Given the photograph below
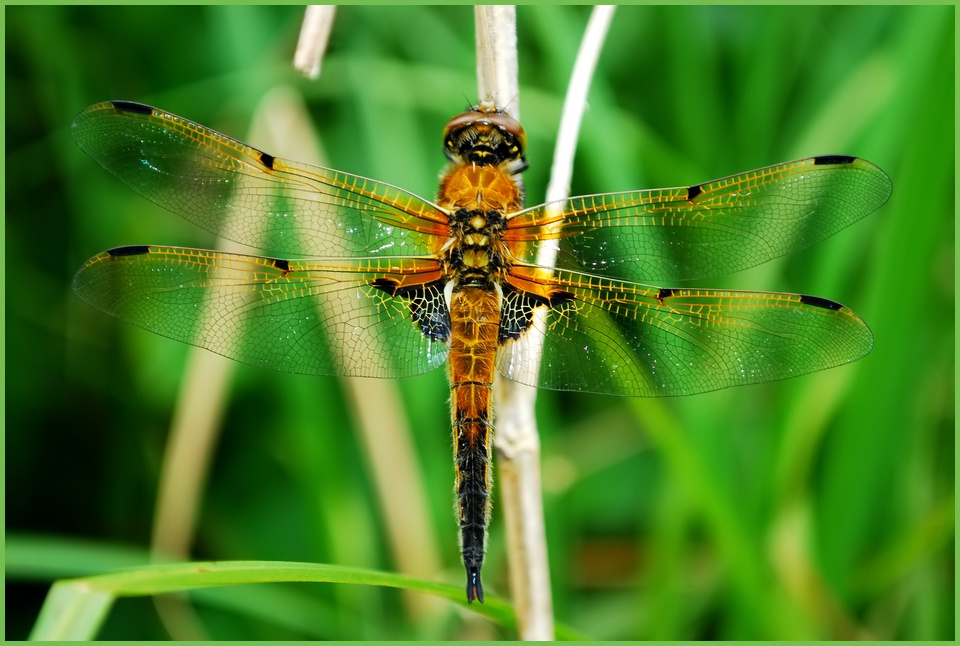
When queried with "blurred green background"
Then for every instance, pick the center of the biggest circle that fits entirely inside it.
(820, 507)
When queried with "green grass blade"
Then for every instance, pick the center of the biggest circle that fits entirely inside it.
(72, 611)
(46, 557)
(75, 608)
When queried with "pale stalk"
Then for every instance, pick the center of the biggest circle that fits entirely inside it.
(194, 431)
(281, 123)
(193, 436)
(374, 405)
(385, 434)
(497, 76)
(516, 440)
(203, 394)
(314, 36)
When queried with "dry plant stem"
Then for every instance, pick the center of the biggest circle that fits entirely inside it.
(387, 445)
(497, 78)
(516, 440)
(282, 123)
(193, 435)
(198, 414)
(314, 36)
(194, 432)
(573, 107)
(385, 434)
(386, 437)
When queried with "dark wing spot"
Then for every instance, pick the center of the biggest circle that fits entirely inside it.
(665, 292)
(516, 314)
(267, 160)
(132, 250)
(429, 309)
(693, 192)
(130, 106)
(281, 264)
(560, 297)
(427, 305)
(389, 285)
(824, 160)
(816, 301)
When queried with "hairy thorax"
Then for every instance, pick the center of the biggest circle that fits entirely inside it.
(478, 197)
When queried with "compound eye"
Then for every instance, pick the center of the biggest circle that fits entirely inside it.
(511, 127)
(457, 123)
(484, 135)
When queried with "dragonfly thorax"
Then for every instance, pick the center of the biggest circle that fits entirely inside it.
(476, 254)
(479, 197)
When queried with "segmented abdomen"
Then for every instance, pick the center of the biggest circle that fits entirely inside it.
(475, 321)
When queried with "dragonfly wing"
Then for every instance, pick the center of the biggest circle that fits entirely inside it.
(621, 338)
(251, 197)
(383, 317)
(705, 230)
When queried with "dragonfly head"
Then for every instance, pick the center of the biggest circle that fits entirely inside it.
(485, 136)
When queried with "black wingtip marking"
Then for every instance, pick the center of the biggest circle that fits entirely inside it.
(823, 303)
(474, 587)
(130, 106)
(824, 160)
(281, 264)
(665, 292)
(131, 250)
(267, 160)
(693, 192)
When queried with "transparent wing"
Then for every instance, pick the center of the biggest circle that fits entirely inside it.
(251, 197)
(382, 317)
(621, 338)
(705, 230)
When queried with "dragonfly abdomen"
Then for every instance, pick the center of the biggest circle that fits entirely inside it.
(475, 325)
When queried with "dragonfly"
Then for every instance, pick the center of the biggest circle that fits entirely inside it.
(370, 280)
